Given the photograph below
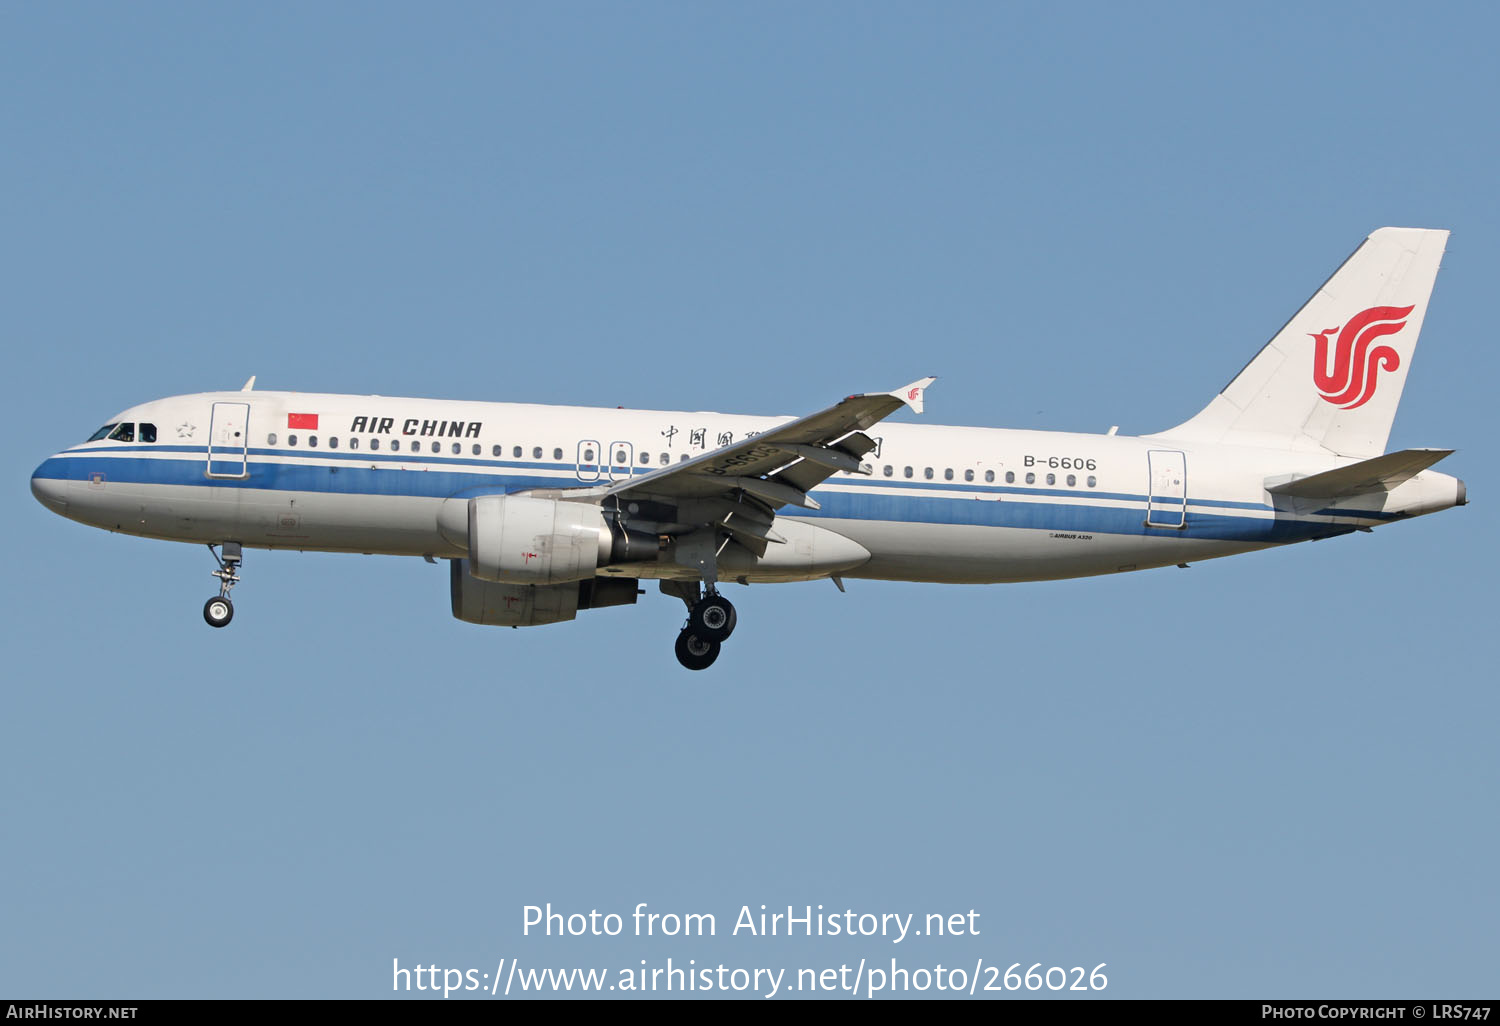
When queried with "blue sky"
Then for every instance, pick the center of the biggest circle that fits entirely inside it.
(1270, 775)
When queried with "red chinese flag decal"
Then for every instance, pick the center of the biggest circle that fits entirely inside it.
(305, 421)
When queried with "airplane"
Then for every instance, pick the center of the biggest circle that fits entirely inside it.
(546, 511)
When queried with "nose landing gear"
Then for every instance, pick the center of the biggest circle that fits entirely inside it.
(218, 611)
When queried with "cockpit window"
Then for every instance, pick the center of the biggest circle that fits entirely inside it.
(123, 433)
(102, 432)
(148, 432)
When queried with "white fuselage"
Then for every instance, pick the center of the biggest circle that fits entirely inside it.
(935, 503)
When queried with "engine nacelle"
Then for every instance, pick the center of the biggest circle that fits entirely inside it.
(527, 539)
(497, 604)
(517, 539)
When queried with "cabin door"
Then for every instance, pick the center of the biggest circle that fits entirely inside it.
(229, 441)
(1166, 502)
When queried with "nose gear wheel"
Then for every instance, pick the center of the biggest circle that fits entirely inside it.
(218, 611)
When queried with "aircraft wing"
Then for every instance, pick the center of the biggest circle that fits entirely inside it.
(775, 468)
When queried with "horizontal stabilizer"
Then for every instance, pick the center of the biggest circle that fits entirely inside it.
(1380, 474)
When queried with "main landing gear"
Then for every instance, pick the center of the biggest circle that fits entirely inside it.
(218, 611)
(695, 653)
(711, 620)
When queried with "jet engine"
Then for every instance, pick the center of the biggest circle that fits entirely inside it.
(522, 539)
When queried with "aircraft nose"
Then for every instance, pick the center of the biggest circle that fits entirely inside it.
(49, 488)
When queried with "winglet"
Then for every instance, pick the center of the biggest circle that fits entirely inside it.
(911, 394)
(248, 386)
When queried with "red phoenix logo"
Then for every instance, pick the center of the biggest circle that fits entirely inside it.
(914, 393)
(1350, 382)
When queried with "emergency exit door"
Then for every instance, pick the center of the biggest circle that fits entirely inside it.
(621, 460)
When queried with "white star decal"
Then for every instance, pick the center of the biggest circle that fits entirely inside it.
(185, 430)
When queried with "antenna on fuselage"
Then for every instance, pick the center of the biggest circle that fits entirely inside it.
(248, 386)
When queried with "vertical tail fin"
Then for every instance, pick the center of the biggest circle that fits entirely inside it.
(1331, 378)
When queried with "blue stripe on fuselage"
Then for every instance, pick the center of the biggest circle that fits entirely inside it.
(985, 506)
(602, 473)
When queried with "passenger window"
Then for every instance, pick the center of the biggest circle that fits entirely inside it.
(312, 441)
(588, 455)
(457, 449)
(291, 440)
(989, 476)
(948, 474)
(333, 441)
(968, 475)
(516, 452)
(374, 443)
(1052, 479)
(354, 443)
(645, 459)
(683, 458)
(666, 458)
(557, 454)
(887, 470)
(536, 452)
(907, 472)
(1031, 479)
(271, 438)
(474, 450)
(495, 451)
(1093, 480)
(148, 432)
(620, 458)
(1072, 480)
(927, 473)
(123, 433)
(1010, 477)
(437, 446)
